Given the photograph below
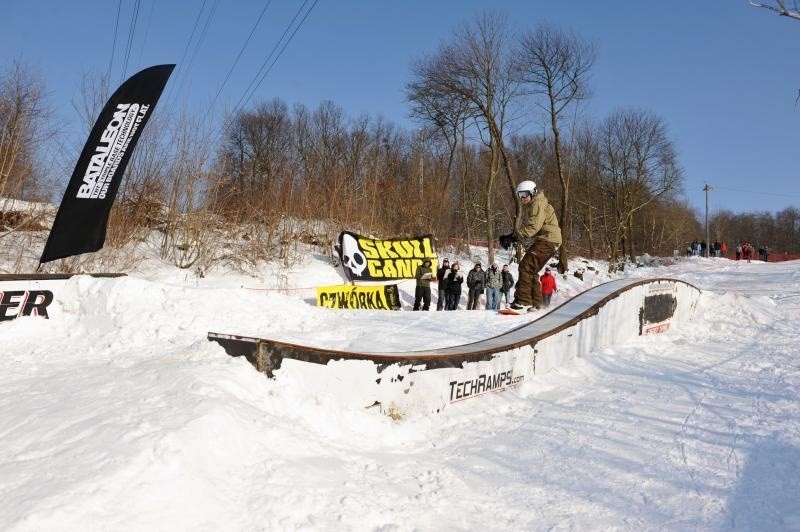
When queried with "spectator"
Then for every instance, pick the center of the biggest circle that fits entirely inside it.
(724, 249)
(738, 251)
(508, 284)
(454, 281)
(494, 283)
(747, 251)
(548, 287)
(716, 248)
(766, 253)
(475, 284)
(422, 293)
(703, 247)
(441, 278)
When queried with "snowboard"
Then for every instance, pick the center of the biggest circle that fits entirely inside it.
(511, 312)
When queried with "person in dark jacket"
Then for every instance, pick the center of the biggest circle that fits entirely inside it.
(454, 281)
(422, 294)
(441, 278)
(475, 282)
(508, 284)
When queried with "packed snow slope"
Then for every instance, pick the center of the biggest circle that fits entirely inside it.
(120, 415)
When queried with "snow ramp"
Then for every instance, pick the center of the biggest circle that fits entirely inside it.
(402, 383)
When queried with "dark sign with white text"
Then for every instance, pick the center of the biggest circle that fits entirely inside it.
(80, 224)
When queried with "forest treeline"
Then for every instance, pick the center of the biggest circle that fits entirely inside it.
(493, 108)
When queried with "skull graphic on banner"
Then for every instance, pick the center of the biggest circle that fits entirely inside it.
(352, 257)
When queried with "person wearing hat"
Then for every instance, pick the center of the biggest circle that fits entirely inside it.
(541, 236)
(548, 282)
(475, 282)
(441, 279)
(422, 294)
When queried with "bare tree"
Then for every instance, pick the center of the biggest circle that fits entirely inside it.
(445, 112)
(639, 165)
(475, 68)
(22, 120)
(780, 7)
(555, 64)
(190, 190)
(258, 146)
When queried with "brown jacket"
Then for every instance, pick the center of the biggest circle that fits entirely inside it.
(539, 221)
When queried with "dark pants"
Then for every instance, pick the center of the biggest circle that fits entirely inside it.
(441, 303)
(505, 295)
(452, 300)
(473, 298)
(529, 290)
(422, 293)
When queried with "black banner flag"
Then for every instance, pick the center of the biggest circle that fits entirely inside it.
(80, 224)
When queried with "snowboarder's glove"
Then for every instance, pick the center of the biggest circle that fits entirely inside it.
(507, 240)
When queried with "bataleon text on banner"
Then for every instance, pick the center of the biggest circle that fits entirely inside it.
(80, 224)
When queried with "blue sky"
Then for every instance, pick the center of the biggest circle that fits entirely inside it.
(722, 74)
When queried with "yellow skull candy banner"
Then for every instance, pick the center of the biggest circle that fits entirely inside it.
(367, 259)
(385, 297)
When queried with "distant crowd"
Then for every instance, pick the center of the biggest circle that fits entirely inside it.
(743, 250)
(495, 284)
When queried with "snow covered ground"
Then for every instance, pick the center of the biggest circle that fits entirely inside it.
(121, 416)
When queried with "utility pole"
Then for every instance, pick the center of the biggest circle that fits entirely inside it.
(707, 189)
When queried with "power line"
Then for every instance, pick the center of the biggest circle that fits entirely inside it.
(262, 73)
(757, 192)
(131, 33)
(283, 48)
(114, 45)
(180, 67)
(146, 32)
(236, 61)
(201, 38)
(245, 98)
(198, 44)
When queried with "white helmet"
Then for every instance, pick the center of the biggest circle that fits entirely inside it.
(527, 186)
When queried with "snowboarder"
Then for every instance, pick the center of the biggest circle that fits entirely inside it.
(541, 235)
